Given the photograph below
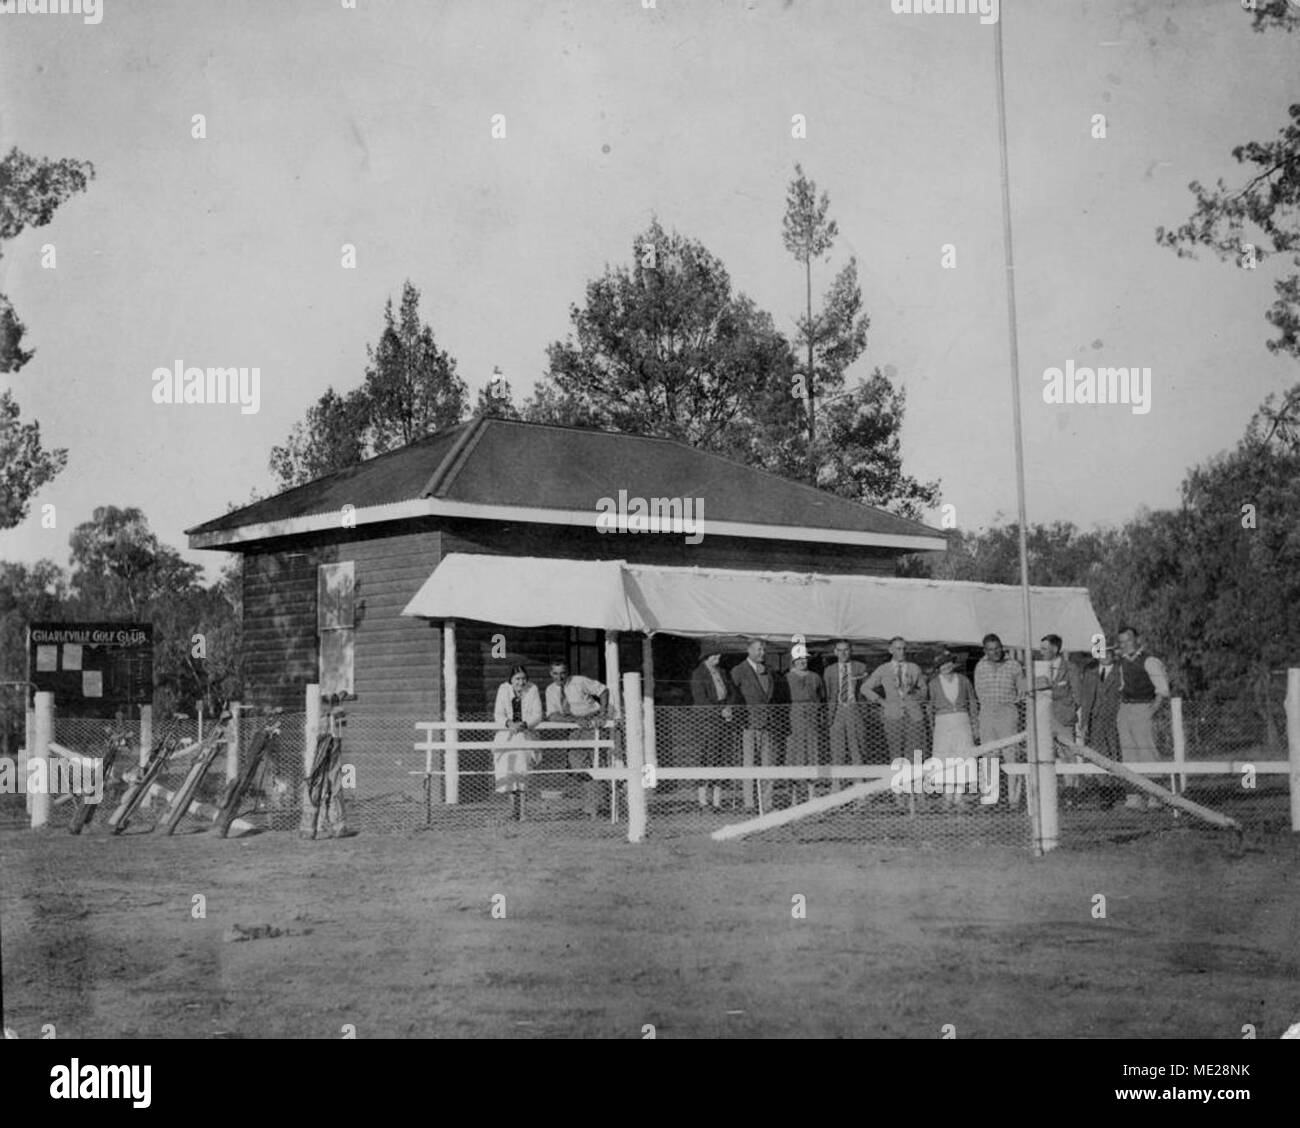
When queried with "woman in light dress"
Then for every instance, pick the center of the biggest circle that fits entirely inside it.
(518, 712)
(955, 713)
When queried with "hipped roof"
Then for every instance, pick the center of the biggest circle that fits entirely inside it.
(499, 469)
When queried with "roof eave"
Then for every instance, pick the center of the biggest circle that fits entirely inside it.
(230, 539)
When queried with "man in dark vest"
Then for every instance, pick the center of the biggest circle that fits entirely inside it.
(1143, 688)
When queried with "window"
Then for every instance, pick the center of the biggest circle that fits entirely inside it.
(335, 623)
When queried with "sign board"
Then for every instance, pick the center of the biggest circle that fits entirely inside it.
(93, 669)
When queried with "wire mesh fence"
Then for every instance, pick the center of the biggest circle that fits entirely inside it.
(1231, 757)
(179, 783)
(723, 765)
(713, 767)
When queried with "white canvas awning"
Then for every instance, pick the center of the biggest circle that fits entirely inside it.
(613, 595)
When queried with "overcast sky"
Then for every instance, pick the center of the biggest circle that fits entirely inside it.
(372, 126)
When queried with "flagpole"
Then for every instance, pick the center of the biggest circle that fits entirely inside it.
(1031, 712)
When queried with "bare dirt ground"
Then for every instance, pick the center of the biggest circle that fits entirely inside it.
(395, 935)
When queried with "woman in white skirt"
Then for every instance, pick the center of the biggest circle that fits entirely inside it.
(518, 712)
(955, 712)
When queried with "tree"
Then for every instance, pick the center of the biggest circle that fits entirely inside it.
(332, 436)
(27, 592)
(1230, 222)
(410, 390)
(119, 567)
(25, 465)
(808, 234)
(1273, 14)
(31, 189)
(496, 399)
(1211, 585)
(120, 570)
(858, 454)
(667, 348)
(411, 385)
(664, 348)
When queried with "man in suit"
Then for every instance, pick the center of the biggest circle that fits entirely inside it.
(1063, 682)
(759, 690)
(714, 697)
(1099, 709)
(848, 728)
(903, 706)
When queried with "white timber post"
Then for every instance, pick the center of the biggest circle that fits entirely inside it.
(635, 759)
(1048, 822)
(613, 681)
(146, 733)
(449, 787)
(1293, 742)
(29, 745)
(613, 675)
(232, 742)
(310, 729)
(648, 689)
(1180, 743)
(310, 735)
(44, 734)
(199, 738)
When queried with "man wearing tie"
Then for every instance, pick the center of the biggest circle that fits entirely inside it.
(1062, 681)
(848, 731)
(758, 689)
(1099, 711)
(902, 710)
(583, 702)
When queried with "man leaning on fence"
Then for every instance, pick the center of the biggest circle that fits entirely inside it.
(583, 702)
(1144, 687)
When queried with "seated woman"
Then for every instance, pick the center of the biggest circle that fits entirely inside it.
(518, 711)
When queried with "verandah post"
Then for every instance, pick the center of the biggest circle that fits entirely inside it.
(613, 682)
(648, 690)
(449, 788)
(636, 812)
